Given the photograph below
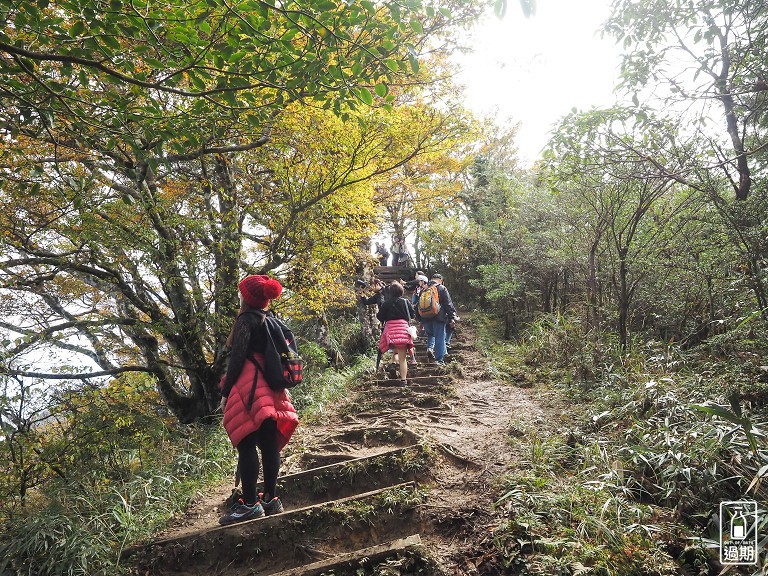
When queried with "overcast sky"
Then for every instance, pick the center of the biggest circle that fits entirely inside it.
(536, 70)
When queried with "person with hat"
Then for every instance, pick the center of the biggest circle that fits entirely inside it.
(415, 283)
(435, 327)
(255, 416)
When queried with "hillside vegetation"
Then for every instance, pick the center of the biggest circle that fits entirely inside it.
(152, 155)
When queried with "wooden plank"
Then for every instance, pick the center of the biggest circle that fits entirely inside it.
(266, 522)
(353, 559)
(416, 380)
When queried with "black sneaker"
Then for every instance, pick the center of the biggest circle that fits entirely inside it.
(431, 354)
(274, 506)
(242, 512)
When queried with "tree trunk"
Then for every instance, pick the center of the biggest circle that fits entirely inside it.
(547, 294)
(623, 299)
(593, 303)
(366, 315)
(564, 291)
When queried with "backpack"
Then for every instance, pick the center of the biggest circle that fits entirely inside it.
(429, 302)
(283, 368)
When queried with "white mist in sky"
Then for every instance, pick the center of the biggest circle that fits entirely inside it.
(535, 70)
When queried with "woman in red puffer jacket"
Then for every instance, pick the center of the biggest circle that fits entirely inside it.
(255, 417)
(396, 313)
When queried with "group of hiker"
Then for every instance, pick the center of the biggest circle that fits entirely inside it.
(430, 305)
(398, 249)
(259, 417)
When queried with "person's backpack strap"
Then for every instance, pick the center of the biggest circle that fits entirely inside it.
(407, 310)
(252, 393)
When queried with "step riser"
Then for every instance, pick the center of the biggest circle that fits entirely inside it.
(269, 545)
(350, 477)
(351, 563)
(420, 381)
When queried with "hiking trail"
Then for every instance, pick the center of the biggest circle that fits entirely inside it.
(402, 477)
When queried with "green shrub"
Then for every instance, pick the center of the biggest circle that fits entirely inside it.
(50, 543)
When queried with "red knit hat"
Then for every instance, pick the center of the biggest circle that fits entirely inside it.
(258, 290)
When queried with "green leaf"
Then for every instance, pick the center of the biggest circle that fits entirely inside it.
(111, 41)
(417, 27)
(153, 63)
(230, 98)
(381, 90)
(414, 64)
(197, 82)
(365, 95)
(77, 29)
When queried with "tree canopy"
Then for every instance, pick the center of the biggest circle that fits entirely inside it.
(153, 153)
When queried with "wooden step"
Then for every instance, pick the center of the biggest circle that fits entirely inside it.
(289, 540)
(348, 477)
(417, 380)
(394, 272)
(358, 558)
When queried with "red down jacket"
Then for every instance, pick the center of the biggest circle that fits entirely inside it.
(239, 422)
(395, 335)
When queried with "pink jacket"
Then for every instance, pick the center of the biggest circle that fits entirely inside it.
(239, 422)
(395, 335)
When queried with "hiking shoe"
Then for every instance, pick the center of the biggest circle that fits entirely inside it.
(242, 512)
(431, 354)
(403, 382)
(274, 506)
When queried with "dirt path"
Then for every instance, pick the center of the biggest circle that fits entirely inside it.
(459, 416)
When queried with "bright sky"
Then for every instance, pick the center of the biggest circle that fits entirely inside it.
(535, 70)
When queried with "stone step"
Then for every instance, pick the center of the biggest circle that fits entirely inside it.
(358, 559)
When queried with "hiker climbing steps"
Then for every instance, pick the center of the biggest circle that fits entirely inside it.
(360, 493)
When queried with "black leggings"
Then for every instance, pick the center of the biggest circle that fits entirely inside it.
(265, 438)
